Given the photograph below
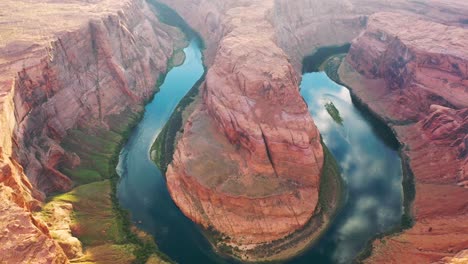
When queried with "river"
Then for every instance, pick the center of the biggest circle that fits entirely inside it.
(370, 166)
(142, 187)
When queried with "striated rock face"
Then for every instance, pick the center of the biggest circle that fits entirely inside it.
(207, 18)
(92, 73)
(413, 63)
(459, 258)
(248, 164)
(416, 79)
(250, 159)
(423, 72)
(104, 59)
(23, 238)
(302, 26)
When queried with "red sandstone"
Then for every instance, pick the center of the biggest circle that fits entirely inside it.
(416, 79)
(249, 162)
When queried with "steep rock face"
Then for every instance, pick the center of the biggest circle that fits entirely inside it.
(460, 258)
(416, 79)
(104, 59)
(250, 159)
(207, 18)
(92, 73)
(420, 69)
(305, 25)
(302, 26)
(23, 238)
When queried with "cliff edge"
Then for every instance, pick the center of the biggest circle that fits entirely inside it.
(71, 73)
(415, 78)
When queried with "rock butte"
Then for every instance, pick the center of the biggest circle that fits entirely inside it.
(78, 64)
(249, 163)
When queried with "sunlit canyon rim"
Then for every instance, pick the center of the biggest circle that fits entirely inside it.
(74, 78)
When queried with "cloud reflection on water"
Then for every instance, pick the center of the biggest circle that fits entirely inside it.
(370, 168)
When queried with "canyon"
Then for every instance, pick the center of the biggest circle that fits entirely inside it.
(248, 165)
(89, 75)
(438, 36)
(416, 80)
(250, 157)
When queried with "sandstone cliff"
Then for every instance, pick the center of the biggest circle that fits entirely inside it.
(415, 78)
(89, 64)
(89, 75)
(249, 162)
(103, 62)
(300, 27)
(20, 230)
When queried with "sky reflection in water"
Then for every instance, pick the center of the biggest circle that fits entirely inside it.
(371, 169)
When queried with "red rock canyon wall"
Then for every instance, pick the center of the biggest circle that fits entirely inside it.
(103, 64)
(250, 157)
(420, 80)
(416, 78)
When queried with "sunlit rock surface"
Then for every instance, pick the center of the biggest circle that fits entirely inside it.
(249, 162)
(76, 62)
(62, 66)
(300, 27)
(416, 79)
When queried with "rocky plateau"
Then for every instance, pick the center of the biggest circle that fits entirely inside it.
(66, 66)
(249, 162)
(413, 77)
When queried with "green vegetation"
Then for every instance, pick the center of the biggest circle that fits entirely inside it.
(95, 221)
(333, 112)
(97, 147)
(108, 253)
(313, 62)
(386, 134)
(331, 196)
(164, 145)
(100, 224)
(331, 66)
(409, 191)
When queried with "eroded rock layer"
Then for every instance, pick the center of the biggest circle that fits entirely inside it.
(88, 64)
(416, 79)
(249, 162)
(91, 74)
(302, 26)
